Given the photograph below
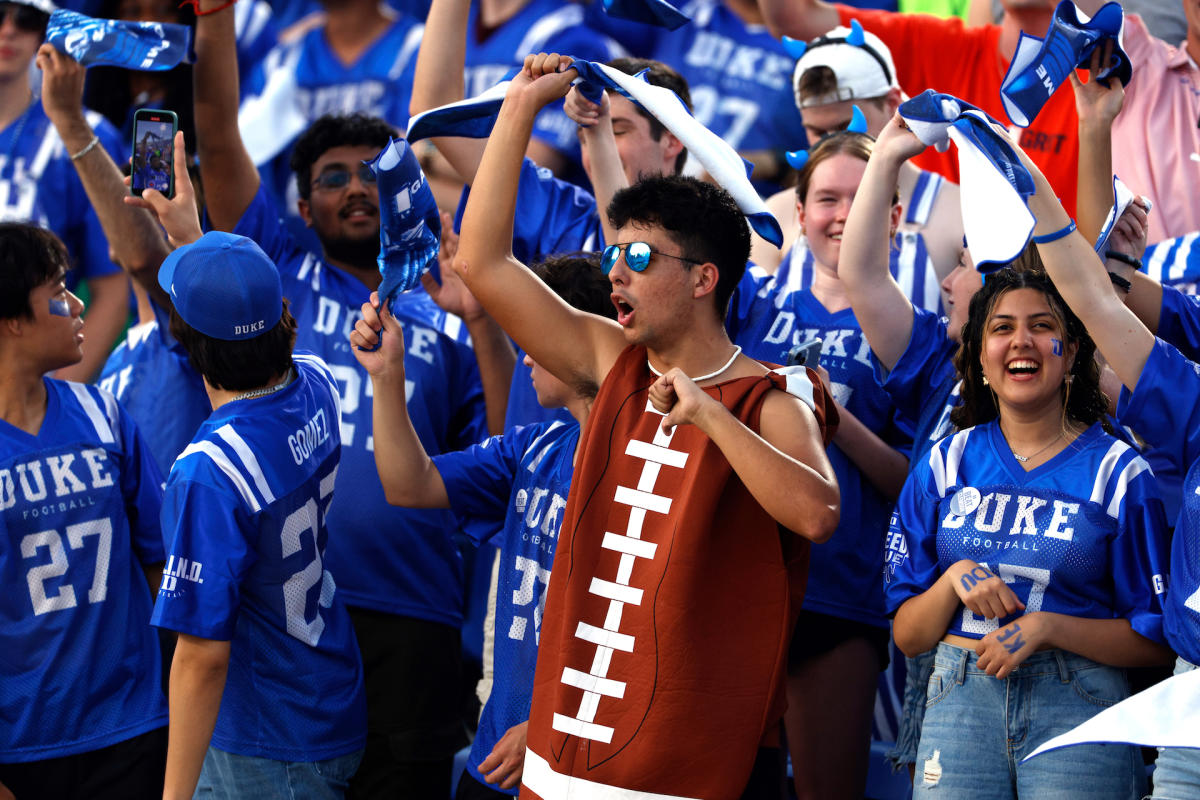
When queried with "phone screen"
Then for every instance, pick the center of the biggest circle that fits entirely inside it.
(152, 152)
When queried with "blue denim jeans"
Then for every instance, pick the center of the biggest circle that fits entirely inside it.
(908, 733)
(978, 728)
(1177, 770)
(229, 776)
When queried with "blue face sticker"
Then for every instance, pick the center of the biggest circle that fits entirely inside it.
(1057, 345)
(60, 307)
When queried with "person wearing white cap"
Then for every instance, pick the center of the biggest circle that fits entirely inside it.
(834, 73)
(266, 666)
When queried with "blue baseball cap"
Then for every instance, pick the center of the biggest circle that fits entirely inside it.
(224, 286)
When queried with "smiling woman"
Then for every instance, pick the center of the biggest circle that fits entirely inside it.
(1026, 549)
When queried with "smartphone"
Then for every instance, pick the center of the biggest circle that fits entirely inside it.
(805, 355)
(153, 151)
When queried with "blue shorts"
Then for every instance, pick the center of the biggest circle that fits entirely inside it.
(1177, 770)
(978, 728)
(229, 776)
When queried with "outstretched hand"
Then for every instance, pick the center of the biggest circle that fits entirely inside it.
(1093, 100)
(179, 216)
(381, 356)
(62, 84)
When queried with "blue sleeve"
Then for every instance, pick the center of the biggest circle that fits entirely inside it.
(262, 223)
(204, 526)
(1164, 407)
(1179, 321)
(553, 216)
(479, 482)
(1139, 555)
(141, 486)
(911, 559)
(922, 368)
(755, 281)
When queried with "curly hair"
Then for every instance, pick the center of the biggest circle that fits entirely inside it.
(700, 217)
(335, 130)
(1084, 402)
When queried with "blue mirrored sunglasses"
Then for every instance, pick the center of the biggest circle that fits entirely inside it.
(340, 178)
(637, 256)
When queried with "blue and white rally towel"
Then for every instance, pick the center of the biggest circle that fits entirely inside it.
(472, 118)
(650, 12)
(1040, 66)
(410, 228)
(1122, 197)
(148, 46)
(994, 184)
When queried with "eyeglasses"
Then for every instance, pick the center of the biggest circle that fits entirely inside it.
(340, 178)
(637, 256)
(26, 18)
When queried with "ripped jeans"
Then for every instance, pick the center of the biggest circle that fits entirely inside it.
(978, 728)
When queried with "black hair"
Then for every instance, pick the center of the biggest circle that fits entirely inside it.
(657, 74)
(1084, 402)
(577, 279)
(335, 130)
(30, 257)
(700, 217)
(241, 365)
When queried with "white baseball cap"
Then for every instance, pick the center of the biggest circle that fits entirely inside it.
(861, 62)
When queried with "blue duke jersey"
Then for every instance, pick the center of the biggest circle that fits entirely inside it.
(245, 517)
(79, 506)
(550, 26)
(145, 369)
(520, 479)
(39, 184)
(379, 83)
(739, 76)
(1164, 407)
(1083, 534)
(386, 558)
(843, 575)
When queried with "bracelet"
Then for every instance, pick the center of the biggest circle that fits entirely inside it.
(1058, 234)
(1123, 258)
(1121, 283)
(87, 149)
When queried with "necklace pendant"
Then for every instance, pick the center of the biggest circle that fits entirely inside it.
(1022, 459)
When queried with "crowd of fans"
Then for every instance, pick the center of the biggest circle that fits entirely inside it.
(626, 497)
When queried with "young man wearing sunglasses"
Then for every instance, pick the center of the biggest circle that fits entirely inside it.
(38, 182)
(661, 664)
(400, 574)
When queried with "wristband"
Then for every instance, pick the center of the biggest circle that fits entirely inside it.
(1119, 282)
(1123, 258)
(1058, 234)
(87, 149)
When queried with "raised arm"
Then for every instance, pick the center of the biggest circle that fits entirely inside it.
(230, 177)
(438, 78)
(800, 19)
(576, 347)
(879, 304)
(599, 143)
(134, 237)
(408, 475)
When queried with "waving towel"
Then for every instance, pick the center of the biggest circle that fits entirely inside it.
(994, 183)
(651, 12)
(721, 161)
(1039, 66)
(150, 46)
(1122, 197)
(409, 226)
(472, 118)
(1162, 716)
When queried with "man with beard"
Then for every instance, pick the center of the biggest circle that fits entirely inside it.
(398, 571)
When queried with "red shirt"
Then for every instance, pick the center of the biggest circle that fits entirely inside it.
(947, 56)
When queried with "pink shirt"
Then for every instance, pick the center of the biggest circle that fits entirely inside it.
(1156, 141)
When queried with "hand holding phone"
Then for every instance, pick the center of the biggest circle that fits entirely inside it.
(153, 153)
